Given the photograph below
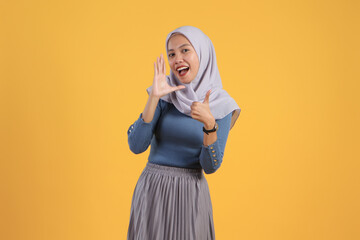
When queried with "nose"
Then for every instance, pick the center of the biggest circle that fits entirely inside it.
(178, 58)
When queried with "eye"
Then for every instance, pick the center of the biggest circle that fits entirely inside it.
(185, 50)
(171, 54)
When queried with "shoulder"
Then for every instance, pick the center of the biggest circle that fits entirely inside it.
(162, 102)
(162, 106)
(225, 122)
(225, 118)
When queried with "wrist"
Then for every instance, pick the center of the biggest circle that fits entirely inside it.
(153, 97)
(209, 124)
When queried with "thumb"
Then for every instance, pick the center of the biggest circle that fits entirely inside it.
(206, 100)
(176, 88)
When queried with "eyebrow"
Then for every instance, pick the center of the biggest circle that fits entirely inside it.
(186, 44)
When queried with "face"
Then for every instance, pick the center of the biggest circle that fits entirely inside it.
(182, 55)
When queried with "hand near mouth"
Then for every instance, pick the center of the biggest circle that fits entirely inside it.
(160, 86)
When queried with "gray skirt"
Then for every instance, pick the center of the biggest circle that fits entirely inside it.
(171, 203)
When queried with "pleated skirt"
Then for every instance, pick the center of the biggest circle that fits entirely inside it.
(171, 203)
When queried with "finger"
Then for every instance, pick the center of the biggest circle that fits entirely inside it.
(195, 103)
(177, 88)
(206, 100)
(193, 109)
(164, 67)
(160, 65)
(163, 64)
(155, 71)
(194, 116)
(157, 65)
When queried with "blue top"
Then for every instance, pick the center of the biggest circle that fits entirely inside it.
(177, 139)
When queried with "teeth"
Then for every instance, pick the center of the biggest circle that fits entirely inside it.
(182, 68)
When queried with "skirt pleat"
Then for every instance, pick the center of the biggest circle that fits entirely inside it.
(171, 203)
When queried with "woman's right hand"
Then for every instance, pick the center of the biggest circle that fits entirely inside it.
(160, 86)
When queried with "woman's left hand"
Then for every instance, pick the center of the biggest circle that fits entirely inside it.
(201, 112)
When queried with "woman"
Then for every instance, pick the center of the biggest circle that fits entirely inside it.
(186, 121)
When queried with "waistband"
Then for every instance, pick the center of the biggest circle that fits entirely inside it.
(173, 171)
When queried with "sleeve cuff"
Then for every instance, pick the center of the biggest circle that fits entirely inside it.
(211, 157)
(214, 152)
(139, 123)
(142, 120)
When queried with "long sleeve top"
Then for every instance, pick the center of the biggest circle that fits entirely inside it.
(177, 139)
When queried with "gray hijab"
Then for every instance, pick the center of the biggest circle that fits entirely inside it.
(208, 77)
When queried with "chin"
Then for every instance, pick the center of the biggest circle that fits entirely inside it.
(185, 81)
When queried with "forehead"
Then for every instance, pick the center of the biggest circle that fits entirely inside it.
(177, 40)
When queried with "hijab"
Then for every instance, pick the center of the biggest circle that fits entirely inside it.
(208, 77)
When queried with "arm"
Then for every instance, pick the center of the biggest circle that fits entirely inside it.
(211, 156)
(149, 111)
(141, 132)
(211, 137)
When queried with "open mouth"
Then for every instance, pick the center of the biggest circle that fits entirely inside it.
(183, 71)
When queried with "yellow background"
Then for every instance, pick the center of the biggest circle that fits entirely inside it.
(73, 78)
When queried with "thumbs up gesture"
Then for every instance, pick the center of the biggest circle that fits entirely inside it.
(201, 112)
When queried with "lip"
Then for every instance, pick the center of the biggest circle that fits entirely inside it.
(180, 67)
(177, 72)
